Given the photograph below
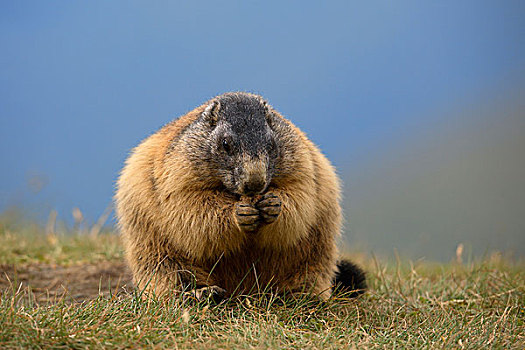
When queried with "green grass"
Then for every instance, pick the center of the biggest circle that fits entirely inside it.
(480, 304)
(58, 249)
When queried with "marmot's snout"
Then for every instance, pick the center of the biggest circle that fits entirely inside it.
(253, 187)
(254, 177)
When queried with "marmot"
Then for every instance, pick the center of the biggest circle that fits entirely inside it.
(232, 198)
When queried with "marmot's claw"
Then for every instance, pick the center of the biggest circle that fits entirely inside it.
(247, 216)
(214, 293)
(270, 207)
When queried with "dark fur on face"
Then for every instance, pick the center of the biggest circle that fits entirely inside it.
(236, 136)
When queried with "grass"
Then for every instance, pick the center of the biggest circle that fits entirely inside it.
(25, 248)
(480, 304)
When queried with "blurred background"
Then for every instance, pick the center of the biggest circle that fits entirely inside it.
(420, 105)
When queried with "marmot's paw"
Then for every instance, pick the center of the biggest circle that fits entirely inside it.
(214, 293)
(247, 216)
(269, 206)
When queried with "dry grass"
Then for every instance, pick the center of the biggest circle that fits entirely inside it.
(409, 305)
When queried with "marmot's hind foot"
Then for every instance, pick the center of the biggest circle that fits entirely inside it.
(213, 293)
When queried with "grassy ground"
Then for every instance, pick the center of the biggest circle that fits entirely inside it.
(75, 292)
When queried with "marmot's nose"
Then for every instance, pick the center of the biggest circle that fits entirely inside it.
(253, 178)
(254, 187)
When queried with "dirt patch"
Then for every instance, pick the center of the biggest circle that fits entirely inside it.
(51, 283)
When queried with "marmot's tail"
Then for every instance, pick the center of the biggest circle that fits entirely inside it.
(350, 279)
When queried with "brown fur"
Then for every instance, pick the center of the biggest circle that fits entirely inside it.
(178, 224)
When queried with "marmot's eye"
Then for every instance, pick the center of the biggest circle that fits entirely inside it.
(226, 146)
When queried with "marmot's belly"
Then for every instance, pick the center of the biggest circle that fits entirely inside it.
(255, 270)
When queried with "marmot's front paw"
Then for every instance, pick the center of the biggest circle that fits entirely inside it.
(269, 206)
(247, 216)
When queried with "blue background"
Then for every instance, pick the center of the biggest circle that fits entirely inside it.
(419, 104)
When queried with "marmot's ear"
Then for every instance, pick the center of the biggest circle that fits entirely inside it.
(268, 112)
(211, 113)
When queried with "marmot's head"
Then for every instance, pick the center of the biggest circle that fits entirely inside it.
(236, 140)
